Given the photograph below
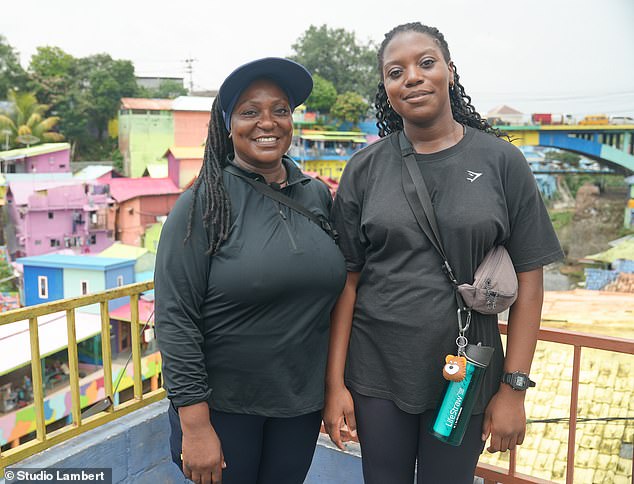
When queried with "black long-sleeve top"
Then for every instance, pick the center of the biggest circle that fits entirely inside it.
(246, 329)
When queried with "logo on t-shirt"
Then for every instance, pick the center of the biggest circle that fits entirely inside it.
(473, 176)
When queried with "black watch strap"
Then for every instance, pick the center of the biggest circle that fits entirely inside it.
(518, 380)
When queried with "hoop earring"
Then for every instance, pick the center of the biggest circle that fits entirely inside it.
(389, 105)
(229, 136)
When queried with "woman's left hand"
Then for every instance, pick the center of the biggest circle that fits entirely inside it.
(505, 420)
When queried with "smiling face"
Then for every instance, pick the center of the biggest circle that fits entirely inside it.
(417, 78)
(262, 124)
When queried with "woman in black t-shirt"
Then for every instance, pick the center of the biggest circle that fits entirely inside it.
(396, 318)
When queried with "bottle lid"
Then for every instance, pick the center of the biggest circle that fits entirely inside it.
(479, 355)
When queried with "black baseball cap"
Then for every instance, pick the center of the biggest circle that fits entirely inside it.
(293, 78)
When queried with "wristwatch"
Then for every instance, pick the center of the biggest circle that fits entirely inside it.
(517, 380)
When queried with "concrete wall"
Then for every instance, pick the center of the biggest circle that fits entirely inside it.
(136, 448)
(31, 288)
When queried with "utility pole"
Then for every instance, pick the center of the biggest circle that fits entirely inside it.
(189, 69)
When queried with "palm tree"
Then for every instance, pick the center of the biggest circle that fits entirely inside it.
(24, 122)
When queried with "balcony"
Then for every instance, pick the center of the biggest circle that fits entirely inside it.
(130, 436)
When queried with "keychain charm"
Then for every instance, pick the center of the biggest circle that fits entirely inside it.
(455, 368)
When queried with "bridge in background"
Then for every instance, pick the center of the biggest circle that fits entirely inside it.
(609, 145)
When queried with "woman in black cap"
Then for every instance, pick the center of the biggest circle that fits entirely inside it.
(244, 288)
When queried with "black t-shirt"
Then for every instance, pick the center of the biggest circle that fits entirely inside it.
(247, 328)
(404, 323)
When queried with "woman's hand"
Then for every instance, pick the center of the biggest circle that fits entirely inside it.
(338, 414)
(505, 420)
(203, 460)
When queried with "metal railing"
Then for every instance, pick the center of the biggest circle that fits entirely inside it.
(495, 474)
(79, 425)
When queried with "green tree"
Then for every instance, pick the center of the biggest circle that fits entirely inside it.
(7, 279)
(168, 89)
(26, 121)
(12, 75)
(337, 55)
(106, 81)
(52, 74)
(571, 159)
(323, 96)
(349, 106)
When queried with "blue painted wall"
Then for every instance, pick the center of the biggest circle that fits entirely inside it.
(111, 282)
(31, 290)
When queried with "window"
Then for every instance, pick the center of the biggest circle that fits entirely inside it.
(50, 215)
(93, 239)
(119, 281)
(54, 243)
(84, 288)
(42, 285)
(37, 242)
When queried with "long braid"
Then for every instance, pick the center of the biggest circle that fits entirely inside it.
(216, 203)
(389, 121)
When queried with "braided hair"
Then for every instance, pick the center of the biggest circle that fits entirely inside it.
(216, 204)
(463, 111)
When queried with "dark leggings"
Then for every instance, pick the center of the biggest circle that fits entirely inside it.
(392, 441)
(258, 450)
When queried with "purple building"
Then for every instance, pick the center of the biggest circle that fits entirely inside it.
(45, 158)
(64, 214)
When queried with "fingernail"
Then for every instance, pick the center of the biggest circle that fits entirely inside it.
(353, 433)
(224, 465)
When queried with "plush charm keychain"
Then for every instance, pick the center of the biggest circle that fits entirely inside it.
(455, 368)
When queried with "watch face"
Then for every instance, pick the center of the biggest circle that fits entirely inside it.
(520, 381)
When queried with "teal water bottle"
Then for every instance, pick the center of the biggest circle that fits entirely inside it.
(454, 413)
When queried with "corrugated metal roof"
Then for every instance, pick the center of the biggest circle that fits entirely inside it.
(123, 251)
(503, 109)
(91, 262)
(22, 190)
(625, 250)
(15, 345)
(34, 150)
(92, 172)
(147, 104)
(187, 152)
(122, 189)
(192, 103)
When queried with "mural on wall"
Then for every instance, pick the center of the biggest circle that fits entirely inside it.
(21, 422)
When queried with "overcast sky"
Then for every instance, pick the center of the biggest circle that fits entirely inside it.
(559, 56)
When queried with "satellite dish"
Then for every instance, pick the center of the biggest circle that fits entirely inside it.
(27, 139)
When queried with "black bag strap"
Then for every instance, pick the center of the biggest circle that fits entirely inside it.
(419, 201)
(278, 196)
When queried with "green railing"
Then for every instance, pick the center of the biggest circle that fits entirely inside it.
(43, 439)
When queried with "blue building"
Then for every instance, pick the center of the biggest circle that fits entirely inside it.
(49, 277)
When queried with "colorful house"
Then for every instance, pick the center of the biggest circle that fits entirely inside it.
(47, 216)
(141, 201)
(183, 164)
(44, 158)
(149, 127)
(153, 234)
(144, 258)
(55, 276)
(326, 152)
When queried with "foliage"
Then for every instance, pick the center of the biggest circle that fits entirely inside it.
(561, 219)
(567, 157)
(6, 272)
(168, 89)
(349, 106)
(26, 121)
(323, 96)
(575, 181)
(337, 55)
(12, 75)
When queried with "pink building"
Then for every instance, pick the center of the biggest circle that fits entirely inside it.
(140, 202)
(45, 158)
(55, 215)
